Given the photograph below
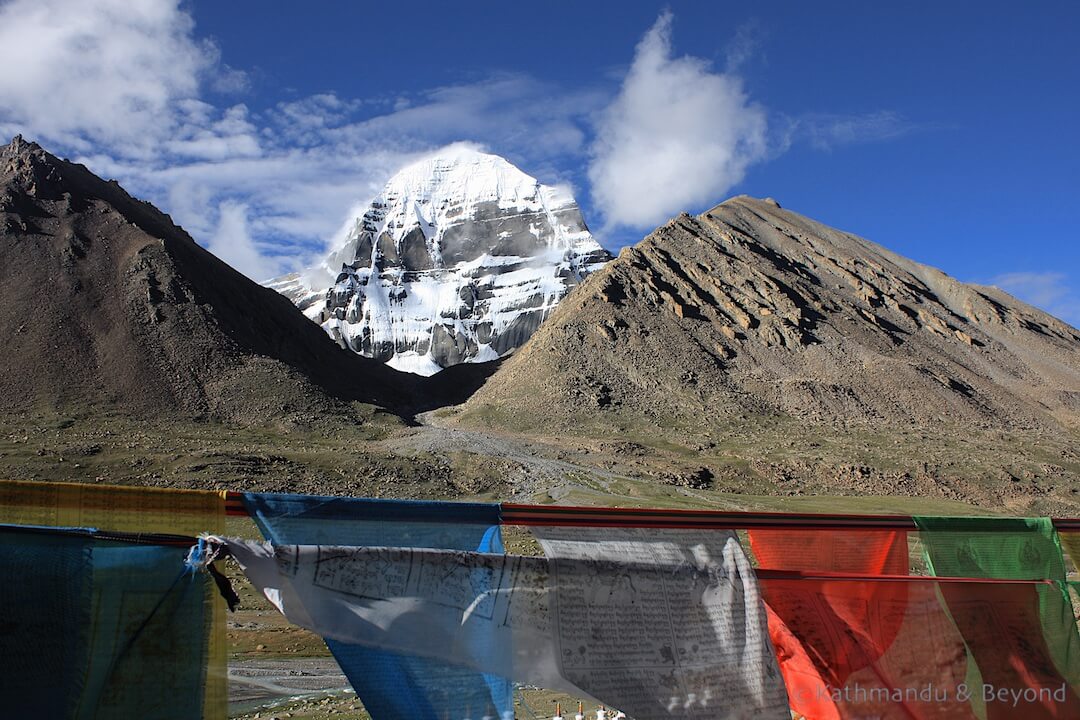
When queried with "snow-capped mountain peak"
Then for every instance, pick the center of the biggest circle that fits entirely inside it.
(462, 175)
(458, 259)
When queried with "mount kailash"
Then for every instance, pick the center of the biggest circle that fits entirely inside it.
(458, 259)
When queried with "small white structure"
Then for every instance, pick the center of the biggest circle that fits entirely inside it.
(601, 714)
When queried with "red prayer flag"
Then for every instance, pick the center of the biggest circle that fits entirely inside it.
(916, 652)
(839, 642)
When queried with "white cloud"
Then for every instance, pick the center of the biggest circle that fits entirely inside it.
(204, 136)
(1050, 291)
(826, 131)
(743, 46)
(232, 242)
(678, 136)
(294, 200)
(230, 81)
(125, 86)
(500, 111)
(302, 121)
(302, 168)
(110, 72)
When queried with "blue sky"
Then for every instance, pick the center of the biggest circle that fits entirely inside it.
(945, 131)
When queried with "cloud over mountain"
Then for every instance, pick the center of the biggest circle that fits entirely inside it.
(136, 93)
(677, 136)
(1051, 291)
(123, 74)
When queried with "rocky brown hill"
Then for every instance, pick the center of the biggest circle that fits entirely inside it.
(750, 314)
(105, 303)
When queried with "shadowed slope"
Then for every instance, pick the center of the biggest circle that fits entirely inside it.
(107, 303)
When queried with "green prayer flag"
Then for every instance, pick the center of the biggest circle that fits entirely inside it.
(1001, 548)
(1006, 549)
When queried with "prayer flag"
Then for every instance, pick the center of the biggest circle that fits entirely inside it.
(1071, 542)
(1045, 645)
(96, 629)
(112, 507)
(134, 510)
(661, 624)
(810, 656)
(922, 674)
(394, 685)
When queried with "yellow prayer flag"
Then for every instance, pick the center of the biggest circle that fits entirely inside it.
(112, 507)
(1071, 542)
(133, 510)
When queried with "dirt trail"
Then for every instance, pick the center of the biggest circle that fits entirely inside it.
(539, 470)
(257, 683)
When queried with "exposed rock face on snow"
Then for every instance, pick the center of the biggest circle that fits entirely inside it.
(459, 259)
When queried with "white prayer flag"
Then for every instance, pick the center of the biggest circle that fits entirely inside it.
(658, 623)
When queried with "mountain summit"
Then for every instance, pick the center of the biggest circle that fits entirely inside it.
(107, 304)
(752, 326)
(750, 307)
(458, 259)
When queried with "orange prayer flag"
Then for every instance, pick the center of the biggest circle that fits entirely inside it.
(827, 651)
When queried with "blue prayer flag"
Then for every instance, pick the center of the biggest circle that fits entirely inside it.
(94, 628)
(394, 686)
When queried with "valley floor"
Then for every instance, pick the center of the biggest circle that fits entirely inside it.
(759, 464)
(277, 670)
